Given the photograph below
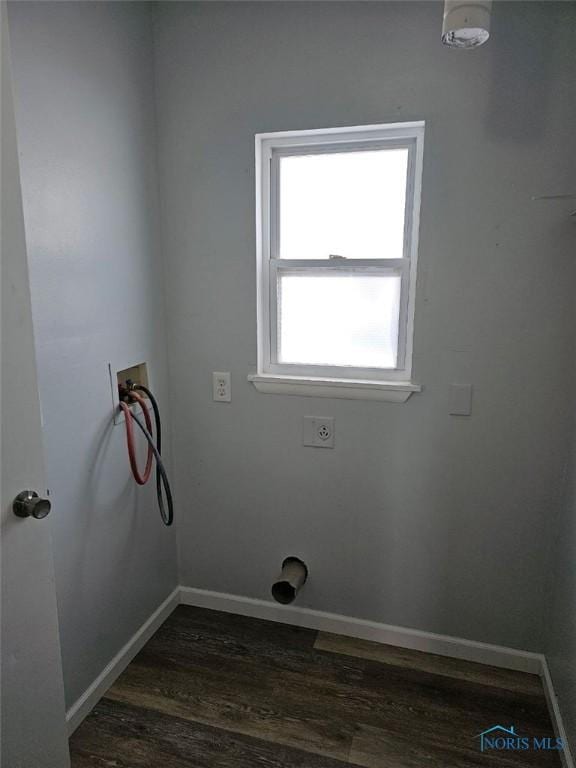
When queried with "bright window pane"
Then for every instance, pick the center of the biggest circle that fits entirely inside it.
(344, 204)
(338, 319)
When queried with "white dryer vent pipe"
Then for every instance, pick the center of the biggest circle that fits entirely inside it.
(292, 577)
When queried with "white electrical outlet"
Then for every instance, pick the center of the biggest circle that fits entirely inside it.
(318, 431)
(221, 387)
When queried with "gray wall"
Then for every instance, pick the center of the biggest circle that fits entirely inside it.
(561, 626)
(416, 518)
(85, 112)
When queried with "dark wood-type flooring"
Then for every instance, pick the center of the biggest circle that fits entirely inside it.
(214, 689)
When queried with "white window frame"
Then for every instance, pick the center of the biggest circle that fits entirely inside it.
(366, 383)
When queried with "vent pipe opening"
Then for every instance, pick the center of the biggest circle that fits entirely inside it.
(292, 577)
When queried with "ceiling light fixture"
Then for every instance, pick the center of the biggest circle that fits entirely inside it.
(466, 24)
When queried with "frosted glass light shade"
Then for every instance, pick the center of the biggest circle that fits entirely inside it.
(466, 24)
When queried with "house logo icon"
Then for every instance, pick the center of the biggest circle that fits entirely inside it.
(498, 737)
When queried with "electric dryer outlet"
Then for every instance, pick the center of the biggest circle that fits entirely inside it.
(318, 431)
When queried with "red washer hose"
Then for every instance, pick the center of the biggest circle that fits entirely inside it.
(140, 479)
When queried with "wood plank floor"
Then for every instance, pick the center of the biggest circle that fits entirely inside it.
(214, 689)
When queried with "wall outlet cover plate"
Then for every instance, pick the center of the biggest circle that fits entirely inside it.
(318, 431)
(221, 387)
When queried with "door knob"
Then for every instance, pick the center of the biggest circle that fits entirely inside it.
(29, 504)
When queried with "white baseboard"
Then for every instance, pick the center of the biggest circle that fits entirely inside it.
(443, 645)
(82, 706)
(556, 716)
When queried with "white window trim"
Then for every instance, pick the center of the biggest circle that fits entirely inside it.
(394, 385)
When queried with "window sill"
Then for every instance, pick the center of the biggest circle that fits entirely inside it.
(347, 389)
